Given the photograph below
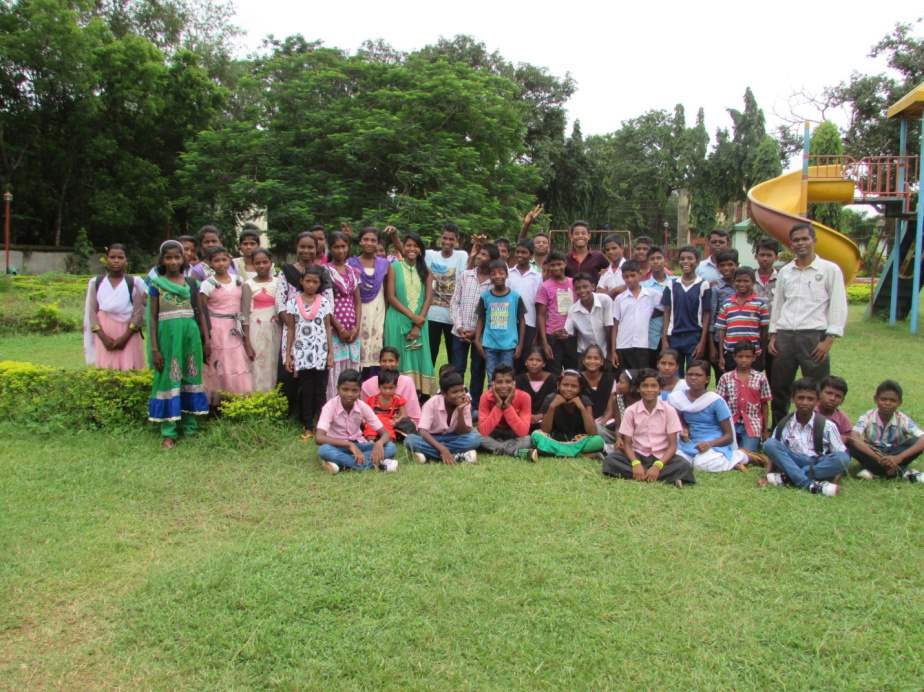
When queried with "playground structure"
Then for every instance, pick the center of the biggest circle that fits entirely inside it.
(892, 184)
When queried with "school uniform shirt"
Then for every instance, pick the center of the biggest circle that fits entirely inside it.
(657, 319)
(593, 263)
(347, 425)
(708, 270)
(745, 402)
(433, 416)
(742, 320)
(444, 271)
(812, 298)
(722, 291)
(650, 430)
(765, 288)
(464, 303)
(632, 313)
(558, 297)
(526, 284)
(590, 325)
(687, 304)
(501, 315)
(801, 438)
(611, 278)
(567, 423)
(898, 430)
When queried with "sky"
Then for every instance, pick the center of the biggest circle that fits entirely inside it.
(625, 58)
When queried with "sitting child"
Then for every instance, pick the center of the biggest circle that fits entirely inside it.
(668, 369)
(648, 436)
(624, 394)
(339, 432)
(833, 391)
(537, 382)
(445, 429)
(568, 428)
(504, 417)
(885, 440)
(388, 360)
(805, 446)
(747, 393)
(388, 406)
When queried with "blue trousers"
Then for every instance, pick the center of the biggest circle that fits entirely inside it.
(802, 469)
(745, 441)
(494, 357)
(345, 460)
(684, 344)
(454, 442)
(460, 349)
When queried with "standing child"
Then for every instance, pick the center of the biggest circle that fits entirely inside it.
(568, 427)
(372, 272)
(538, 383)
(387, 404)
(660, 279)
(722, 291)
(686, 311)
(611, 282)
(340, 438)
(885, 440)
(389, 360)
(501, 325)
(525, 279)
(806, 447)
(767, 252)
(504, 417)
(590, 319)
(668, 367)
(262, 328)
(227, 355)
(743, 317)
(553, 300)
(347, 311)
(191, 252)
(632, 311)
(833, 391)
(747, 393)
(446, 266)
(648, 439)
(445, 432)
(209, 239)
(309, 352)
(113, 316)
(176, 331)
(247, 242)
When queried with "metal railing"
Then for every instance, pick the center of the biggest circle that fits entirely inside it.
(877, 178)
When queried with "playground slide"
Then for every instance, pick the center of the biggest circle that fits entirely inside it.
(775, 206)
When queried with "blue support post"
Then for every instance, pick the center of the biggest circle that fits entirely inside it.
(900, 224)
(919, 232)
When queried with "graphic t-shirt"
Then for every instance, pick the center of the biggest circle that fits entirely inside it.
(501, 319)
(558, 297)
(444, 271)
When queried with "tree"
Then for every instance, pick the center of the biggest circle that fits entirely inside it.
(826, 141)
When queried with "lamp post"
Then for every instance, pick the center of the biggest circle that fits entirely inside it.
(7, 198)
(667, 228)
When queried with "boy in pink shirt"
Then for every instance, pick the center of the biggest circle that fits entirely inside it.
(553, 300)
(445, 430)
(648, 439)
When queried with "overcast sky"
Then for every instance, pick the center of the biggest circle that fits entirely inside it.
(625, 59)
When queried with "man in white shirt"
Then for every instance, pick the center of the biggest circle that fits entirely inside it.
(445, 265)
(809, 311)
(524, 278)
(708, 269)
(591, 317)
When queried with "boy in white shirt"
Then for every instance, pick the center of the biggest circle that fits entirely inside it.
(632, 312)
(591, 317)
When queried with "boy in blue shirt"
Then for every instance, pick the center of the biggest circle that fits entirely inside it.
(501, 326)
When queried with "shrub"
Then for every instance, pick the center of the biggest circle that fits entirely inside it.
(48, 319)
(858, 294)
(262, 406)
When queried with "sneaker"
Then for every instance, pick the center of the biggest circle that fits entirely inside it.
(775, 479)
(865, 475)
(330, 467)
(824, 488)
(419, 458)
(390, 465)
(534, 456)
(469, 457)
(914, 476)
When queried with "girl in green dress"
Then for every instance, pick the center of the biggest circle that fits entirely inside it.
(176, 330)
(408, 291)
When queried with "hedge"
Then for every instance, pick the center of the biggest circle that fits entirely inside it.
(858, 294)
(90, 398)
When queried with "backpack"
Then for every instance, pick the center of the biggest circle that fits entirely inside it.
(818, 431)
(129, 283)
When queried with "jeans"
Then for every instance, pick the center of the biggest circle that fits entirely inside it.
(456, 443)
(494, 357)
(345, 460)
(460, 352)
(745, 441)
(803, 470)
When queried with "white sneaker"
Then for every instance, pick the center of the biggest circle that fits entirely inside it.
(865, 475)
(469, 457)
(330, 467)
(775, 479)
(914, 476)
(390, 465)
(825, 488)
(419, 458)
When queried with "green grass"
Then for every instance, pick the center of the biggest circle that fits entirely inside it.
(234, 562)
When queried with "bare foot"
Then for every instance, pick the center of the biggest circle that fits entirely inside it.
(168, 443)
(741, 467)
(762, 483)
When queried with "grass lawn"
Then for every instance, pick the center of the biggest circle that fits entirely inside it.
(234, 562)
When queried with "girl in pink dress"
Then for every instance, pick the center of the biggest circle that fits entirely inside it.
(227, 361)
(345, 321)
(114, 315)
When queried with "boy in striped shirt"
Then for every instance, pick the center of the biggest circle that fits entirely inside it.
(743, 317)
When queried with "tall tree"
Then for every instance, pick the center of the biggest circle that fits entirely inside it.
(826, 141)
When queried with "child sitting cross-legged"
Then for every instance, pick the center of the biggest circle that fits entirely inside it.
(806, 447)
(648, 438)
(885, 440)
(568, 427)
(339, 433)
(445, 430)
(388, 406)
(504, 414)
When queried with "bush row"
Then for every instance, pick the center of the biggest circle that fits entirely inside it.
(38, 396)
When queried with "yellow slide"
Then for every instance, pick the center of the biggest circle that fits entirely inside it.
(777, 204)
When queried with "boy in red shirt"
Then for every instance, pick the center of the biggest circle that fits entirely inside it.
(504, 416)
(387, 405)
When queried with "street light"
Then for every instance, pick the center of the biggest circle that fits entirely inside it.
(7, 198)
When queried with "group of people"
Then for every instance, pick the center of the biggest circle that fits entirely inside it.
(587, 353)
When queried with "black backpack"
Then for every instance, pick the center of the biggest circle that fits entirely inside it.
(818, 432)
